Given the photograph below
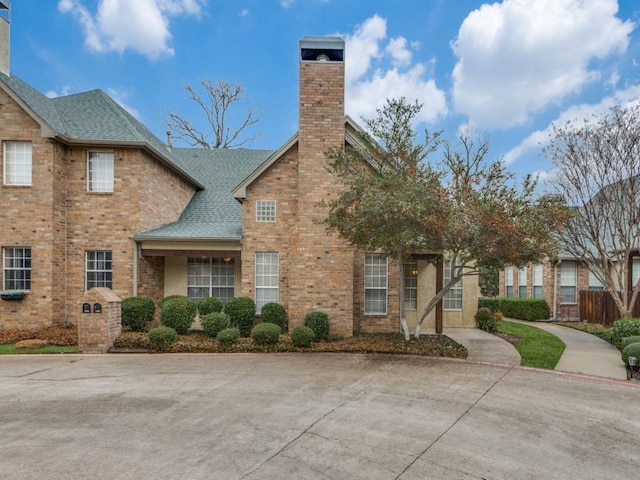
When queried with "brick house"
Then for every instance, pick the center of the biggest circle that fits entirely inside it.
(90, 197)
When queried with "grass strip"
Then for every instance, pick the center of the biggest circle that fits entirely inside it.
(10, 349)
(538, 348)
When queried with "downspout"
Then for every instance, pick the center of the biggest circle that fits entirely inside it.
(135, 268)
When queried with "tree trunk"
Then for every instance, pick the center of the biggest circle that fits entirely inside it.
(403, 320)
(434, 301)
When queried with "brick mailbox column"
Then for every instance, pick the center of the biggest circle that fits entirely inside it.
(99, 320)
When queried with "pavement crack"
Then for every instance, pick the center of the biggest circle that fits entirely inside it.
(464, 414)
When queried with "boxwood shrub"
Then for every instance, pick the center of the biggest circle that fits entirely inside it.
(631, 350)
(137, 312)
(629, 340)
(162, 338)
(242, 313)
(178, 312)
(302, 337)
(209, 305)
(265, 333)
(228, 336)
(519, 308)
(215, 322)
(274, 313)
(319, 323)
(625, 327)
(486, 320)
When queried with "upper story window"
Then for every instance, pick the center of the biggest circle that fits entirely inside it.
(100, 172)
(17, 268)
(17, 163)
(266, 211)
(375, 284)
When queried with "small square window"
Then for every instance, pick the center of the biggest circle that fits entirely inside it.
(266, 211)
(100, 172)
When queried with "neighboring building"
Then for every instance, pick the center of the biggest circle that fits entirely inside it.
(90, 197)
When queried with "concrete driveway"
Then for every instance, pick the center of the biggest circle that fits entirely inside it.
(308, 416)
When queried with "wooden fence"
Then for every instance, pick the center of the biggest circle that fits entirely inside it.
(599, 307)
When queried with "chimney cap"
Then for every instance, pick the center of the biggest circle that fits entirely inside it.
(313, 48)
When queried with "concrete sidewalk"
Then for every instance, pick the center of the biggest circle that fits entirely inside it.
(584, 352)
(484, 347)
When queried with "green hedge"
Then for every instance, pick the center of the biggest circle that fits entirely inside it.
(518, 308)
(209, 305)
(137, 312)
(242, 313)
(266, 333)
(319, 323)
(625, 327)
(178, 312)
(274, 313)
(162, 338)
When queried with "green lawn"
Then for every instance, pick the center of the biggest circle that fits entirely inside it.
(537, 348)
(10, 348)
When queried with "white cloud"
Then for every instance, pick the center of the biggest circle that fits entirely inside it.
(379, 69)
(120, 25)
(66, 90)
(517, 57)
(120, 96)
(576, 113)
(244, 12)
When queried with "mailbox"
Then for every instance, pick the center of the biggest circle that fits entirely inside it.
(86, 308)
(97, 308)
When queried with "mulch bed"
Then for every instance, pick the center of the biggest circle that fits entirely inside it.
(61, 335)
(512, 339)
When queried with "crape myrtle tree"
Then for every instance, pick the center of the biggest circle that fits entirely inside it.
(597, 171)
(402, 196)
(217, 105)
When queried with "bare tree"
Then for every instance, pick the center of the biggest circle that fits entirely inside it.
(220, 97)
(598, 173)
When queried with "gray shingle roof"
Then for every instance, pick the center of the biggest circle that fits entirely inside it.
(92, 117)
(213, 213)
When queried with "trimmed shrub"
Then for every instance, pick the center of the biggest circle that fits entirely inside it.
(629, 340)
(486, 320)
(302, 337)
(492, 303)
(166, 299)
(274, 313)
(525, 308)
(178, 312)
(266, 333)
(242, 313)
(319, 323)
(228, 336)
(136, 312)
(625, 327)
(162, 338)
(215, 322)
(209, 305)
(631, 350)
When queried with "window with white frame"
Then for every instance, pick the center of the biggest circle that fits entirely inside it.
(508, 281)
(17, 163)
(211, 277)
(568, 281)
(522, 282)
(266, 211)
(453, 298)
(537, 280)
(411, 285)
(375, 284)
(267, 276)
(17, 268)
(100, 172)
(99, 269)
(635, 271)
(594, 283)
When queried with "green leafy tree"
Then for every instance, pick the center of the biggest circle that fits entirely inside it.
(397, 199)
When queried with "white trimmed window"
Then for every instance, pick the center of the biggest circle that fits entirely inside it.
(211, 277)
(537, 281)
(411, 285)
(522, 283)
(17, 163)
(100, 172)
(266, 211)
(635, 271)
(453, 298)
(508, 281)
(594, 283)
(98, 269)
(267, 275)
(17, 268)
(375, 284)
(568, 281)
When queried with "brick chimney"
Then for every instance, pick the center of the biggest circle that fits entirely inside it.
(5, 30)
(322, 264)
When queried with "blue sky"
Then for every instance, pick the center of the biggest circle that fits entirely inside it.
(509, 69)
